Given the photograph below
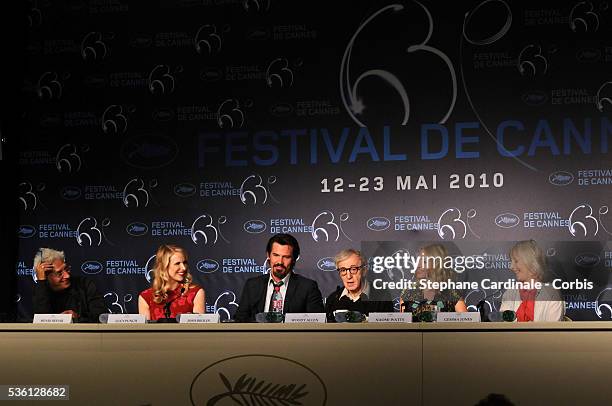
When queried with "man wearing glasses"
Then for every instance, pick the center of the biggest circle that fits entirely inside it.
(355, 294)
(56, 291)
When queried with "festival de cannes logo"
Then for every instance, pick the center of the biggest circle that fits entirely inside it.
(531, 62)
(114, 120)
(88, 233)
(161, 80)
(326, 264)
(583, 18)
(281, 109)
(26, 231)
(149, 151)
(507, 220)
(225, 304)
(257, 379)
(207, 265)
(587, 259)
(135, 194)
(355, 99)
(452, 226)
(378, 223)
(588, 55)
(205, 230)
(113, 302)
(137, 229)
(230, 115)
(561, 178)
(163, 114)
(582, 219)
(149, 272)
(604, 94)
(91, 267)
(254, 226)
(93, 47)
(257, 6)
(534, 98)
(211, 74)
(184, 190)
(253, 191)
(49, 86)
(68, 159)
(70, 193)
(326, 228)
(278, 73)
(207, 41)
(27, 196)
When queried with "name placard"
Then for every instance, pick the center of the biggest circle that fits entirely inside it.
(52, 318)
(126, 319)
(198, 318)
(390, 317)
(305, 318)
(454, 317)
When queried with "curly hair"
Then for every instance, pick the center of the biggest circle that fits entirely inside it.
(160, 284)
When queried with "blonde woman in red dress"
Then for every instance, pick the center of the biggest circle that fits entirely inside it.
(171, 292)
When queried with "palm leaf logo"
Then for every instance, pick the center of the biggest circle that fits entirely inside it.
(253, 392)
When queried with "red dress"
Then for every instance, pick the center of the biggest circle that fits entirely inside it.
(178, 304)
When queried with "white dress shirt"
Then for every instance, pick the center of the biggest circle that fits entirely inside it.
(283, 290)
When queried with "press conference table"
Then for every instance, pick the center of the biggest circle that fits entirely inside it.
(335, 364)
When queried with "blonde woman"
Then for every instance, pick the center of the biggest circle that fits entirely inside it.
(171, 292)
(431, 268)
(545, 304)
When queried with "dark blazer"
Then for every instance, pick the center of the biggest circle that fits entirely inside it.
(81, 296)
(364, 305)
(303, 296)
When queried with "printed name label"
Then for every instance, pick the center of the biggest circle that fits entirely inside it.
(390, 317)
(305, 318)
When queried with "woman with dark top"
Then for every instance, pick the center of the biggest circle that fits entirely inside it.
(355, 294)
(431, 267)
(171, 292)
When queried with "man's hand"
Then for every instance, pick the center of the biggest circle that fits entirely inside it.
(42, 270)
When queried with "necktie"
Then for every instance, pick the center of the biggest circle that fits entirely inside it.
(276, 300)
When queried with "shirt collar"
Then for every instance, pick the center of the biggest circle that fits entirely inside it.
(365, 290)
(285, 279)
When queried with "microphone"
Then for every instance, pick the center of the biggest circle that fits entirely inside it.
(167, 318)
(484, 316)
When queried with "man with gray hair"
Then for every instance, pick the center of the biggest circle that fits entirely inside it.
(56, 291)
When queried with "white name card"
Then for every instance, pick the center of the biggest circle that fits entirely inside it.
(391, 317)
(305, 318)
(198, 318)
(126, 318)
(469, 317)
(52, 318)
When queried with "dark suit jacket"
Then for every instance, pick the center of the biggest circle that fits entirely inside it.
(303, 296)
(81, 296)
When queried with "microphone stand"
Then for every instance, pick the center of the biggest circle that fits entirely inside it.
(169, 319)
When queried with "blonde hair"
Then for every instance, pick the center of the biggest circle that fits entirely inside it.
(437, 273)
(160, 272)
(529, 253)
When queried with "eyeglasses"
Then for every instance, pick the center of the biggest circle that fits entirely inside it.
(353, 270)
(61, 272)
